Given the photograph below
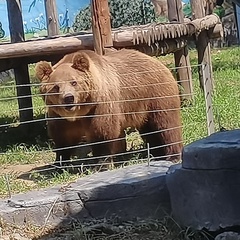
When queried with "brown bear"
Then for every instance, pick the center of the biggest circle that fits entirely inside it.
(100, 96)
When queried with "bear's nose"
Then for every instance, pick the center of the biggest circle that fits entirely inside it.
(68, 98)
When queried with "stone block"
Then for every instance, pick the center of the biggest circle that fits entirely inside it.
(220, 150)
(128, 193)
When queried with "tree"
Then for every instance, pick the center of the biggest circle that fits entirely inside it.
(123, 13)
(2, 32)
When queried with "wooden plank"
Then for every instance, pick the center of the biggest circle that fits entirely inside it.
(21, 72)
(51, 17)
(101, 25)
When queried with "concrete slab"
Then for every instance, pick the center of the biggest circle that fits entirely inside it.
(220, 150)
(128, 193)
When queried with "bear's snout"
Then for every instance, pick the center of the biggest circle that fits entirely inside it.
(68, 99)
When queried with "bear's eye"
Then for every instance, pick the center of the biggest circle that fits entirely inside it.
(74, 83)
(55, 88)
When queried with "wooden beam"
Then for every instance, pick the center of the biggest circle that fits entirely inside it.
(122, 38)
(101, 25)
(216, 32)
(20, 72)
(51, 17)
(160, 48)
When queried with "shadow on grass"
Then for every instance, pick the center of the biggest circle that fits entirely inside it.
(47, 172)
(12, 133)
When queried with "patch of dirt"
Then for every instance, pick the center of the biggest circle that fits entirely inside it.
(20, 168)
(21, 173)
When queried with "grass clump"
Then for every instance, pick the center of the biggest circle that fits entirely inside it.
(113, 229)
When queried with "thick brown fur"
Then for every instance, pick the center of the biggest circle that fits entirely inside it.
(100, 93)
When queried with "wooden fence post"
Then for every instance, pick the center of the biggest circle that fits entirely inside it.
(51, 17)
(202, 42)
(182, 61)
(101, 25)
(207, 88)
(21, 72)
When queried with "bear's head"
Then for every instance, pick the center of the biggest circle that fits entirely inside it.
(66, 88)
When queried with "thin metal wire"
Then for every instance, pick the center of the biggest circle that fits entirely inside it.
(116, 114)
(95, 103)
(122, 154)
(100, 115)
(119, 101)
(89, 116)
(100, 142)
(54, 167)
(158, 70)
(86, 91)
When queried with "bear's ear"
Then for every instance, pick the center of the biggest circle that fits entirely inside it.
(43, 70)
(81, 62)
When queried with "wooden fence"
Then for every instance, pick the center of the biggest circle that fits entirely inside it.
(153, 39)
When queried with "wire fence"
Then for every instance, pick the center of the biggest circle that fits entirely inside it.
(32, 153)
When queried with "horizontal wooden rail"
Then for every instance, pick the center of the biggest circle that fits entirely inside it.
(148, 39)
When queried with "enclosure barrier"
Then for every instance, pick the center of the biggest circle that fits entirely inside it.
(36, 153)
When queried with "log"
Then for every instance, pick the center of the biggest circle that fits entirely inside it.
(172, 11)
(163, 47)
(216, 32)
(123, 37)
(51, 17)
(160, 48)
(101, 25)
(46, 46)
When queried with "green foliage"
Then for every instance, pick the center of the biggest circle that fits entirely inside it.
(2, 33)
(83, 20)
(187, 11)
(220, 11)
(123, 13)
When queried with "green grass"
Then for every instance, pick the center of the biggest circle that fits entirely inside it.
(19, 147)
(226, 101)
(227, 79)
